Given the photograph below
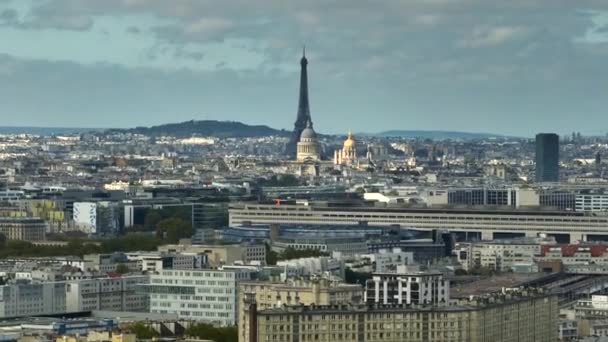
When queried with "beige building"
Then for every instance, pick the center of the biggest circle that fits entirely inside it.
(294, 292)
(522, 317)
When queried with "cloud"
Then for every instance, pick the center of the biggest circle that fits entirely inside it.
(492, 36)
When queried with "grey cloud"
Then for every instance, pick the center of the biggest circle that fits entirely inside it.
(133, 30)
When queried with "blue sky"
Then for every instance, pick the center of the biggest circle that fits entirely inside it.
(512, 67)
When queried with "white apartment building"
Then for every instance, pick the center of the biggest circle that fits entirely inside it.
(111, 294)
(407, 287)
(591, 202)
(21, 300)
(205, 295)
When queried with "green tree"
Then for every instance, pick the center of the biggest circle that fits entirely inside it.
(151, 220)
(292, 253)
(209, 332)
(143, 331)
(172, 229)
(271, 256)
(122, 269)
(354, 277)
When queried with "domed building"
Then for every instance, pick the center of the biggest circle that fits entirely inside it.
(348, 154)
(308, 148)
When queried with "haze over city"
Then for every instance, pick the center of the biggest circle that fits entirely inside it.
(513, 68)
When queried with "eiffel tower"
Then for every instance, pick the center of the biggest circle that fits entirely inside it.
(303, 110)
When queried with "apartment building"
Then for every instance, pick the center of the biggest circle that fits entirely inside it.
(526, 316)
(406, 287)
(295, 292)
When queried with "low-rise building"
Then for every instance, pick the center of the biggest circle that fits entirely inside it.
(109, 294)
(23, 228)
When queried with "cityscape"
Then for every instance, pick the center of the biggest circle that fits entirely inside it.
(221, 230)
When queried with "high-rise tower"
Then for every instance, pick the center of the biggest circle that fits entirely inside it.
(303, 110)
(547, 157)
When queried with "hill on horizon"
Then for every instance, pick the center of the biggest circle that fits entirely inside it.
(213, 128)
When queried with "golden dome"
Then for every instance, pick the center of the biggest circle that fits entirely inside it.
(349, 142)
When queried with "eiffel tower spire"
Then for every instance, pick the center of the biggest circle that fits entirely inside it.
(303, 108)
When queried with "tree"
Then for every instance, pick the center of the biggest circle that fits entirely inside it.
(151, 220)
(292, 253)
(2, 240)
(209, 332)
(122, 269)
(172, 229)
(271, 256)
(143, 331)
(354, 277)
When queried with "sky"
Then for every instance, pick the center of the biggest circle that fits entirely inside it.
(514, 67)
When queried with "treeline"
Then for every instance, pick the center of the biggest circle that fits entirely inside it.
(205, 331)
(80, 247)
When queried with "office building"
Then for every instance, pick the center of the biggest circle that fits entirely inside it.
(109, 294)
(202, 295)
(547, 157)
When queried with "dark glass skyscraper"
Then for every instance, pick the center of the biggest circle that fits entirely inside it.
(303, 110)
(547, 157)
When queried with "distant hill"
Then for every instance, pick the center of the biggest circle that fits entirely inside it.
(436, 135)
(209, 128)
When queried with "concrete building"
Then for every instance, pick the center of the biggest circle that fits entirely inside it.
(203, 295)
(499, 255)
(484, 224)
(23, 229)
(522, 316)
(408, 287)
(110, 294)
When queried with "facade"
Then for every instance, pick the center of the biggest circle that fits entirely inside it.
(547, 157)
(524, 317)
(109, 294)
(295, 292)
(202, 295)
(97, 217)
(591, 202)
(23, 229)
(389, 260)
(344, 245)
(21, 300)
(408, 288)
(314, 266)
(483, 224)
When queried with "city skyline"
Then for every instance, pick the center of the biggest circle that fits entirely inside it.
(427, 67)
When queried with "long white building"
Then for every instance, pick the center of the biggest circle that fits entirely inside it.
(485, 223)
